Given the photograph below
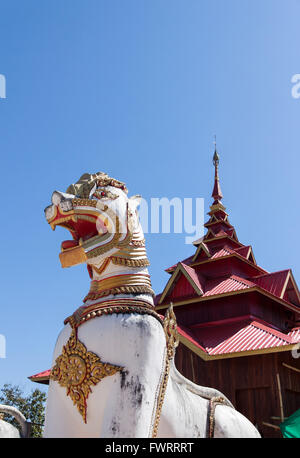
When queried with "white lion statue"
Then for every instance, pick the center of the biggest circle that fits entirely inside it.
(9, 431)
(113, 372)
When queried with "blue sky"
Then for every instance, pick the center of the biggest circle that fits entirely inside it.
(138, 88)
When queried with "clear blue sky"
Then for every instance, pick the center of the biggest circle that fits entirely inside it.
(138, 88)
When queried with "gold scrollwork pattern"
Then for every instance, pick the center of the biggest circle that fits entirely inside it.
(78, 369)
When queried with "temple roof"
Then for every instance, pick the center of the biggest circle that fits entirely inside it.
(204, 253)
(41, 377)
(238, 337)
(220, 268)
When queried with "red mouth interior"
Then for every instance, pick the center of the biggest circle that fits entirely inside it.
(81, 229)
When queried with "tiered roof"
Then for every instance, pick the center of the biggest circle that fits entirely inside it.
(220, 268)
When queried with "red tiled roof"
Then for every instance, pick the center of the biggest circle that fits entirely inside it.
(218, 234)
(295, 334)
(41, 377)
(235, 337)
(197, 279)
(223, 252)
(228, 284)
(243, 251)
(188, 334)
(188, 277)
(272, 282)
(186, 261)
(251, 337)
(41, 374)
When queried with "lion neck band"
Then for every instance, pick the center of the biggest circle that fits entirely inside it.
(120, 281)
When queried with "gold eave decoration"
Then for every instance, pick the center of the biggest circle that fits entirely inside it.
(78, 369)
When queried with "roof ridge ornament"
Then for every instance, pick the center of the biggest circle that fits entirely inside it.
(217, 193)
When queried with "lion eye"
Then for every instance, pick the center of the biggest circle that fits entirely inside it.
(102, 194)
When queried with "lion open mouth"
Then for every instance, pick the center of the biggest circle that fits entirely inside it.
(80, 228)
(83, 224)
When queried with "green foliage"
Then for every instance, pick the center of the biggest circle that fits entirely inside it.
(31, 406)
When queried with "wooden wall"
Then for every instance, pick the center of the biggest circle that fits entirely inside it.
(233, 306)
(250, 382)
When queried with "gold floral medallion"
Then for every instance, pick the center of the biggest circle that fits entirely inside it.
(78, 370)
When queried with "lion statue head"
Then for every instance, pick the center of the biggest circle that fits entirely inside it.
(100, 217)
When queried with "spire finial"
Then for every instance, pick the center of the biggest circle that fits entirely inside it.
(216, 156)
(217, 193)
